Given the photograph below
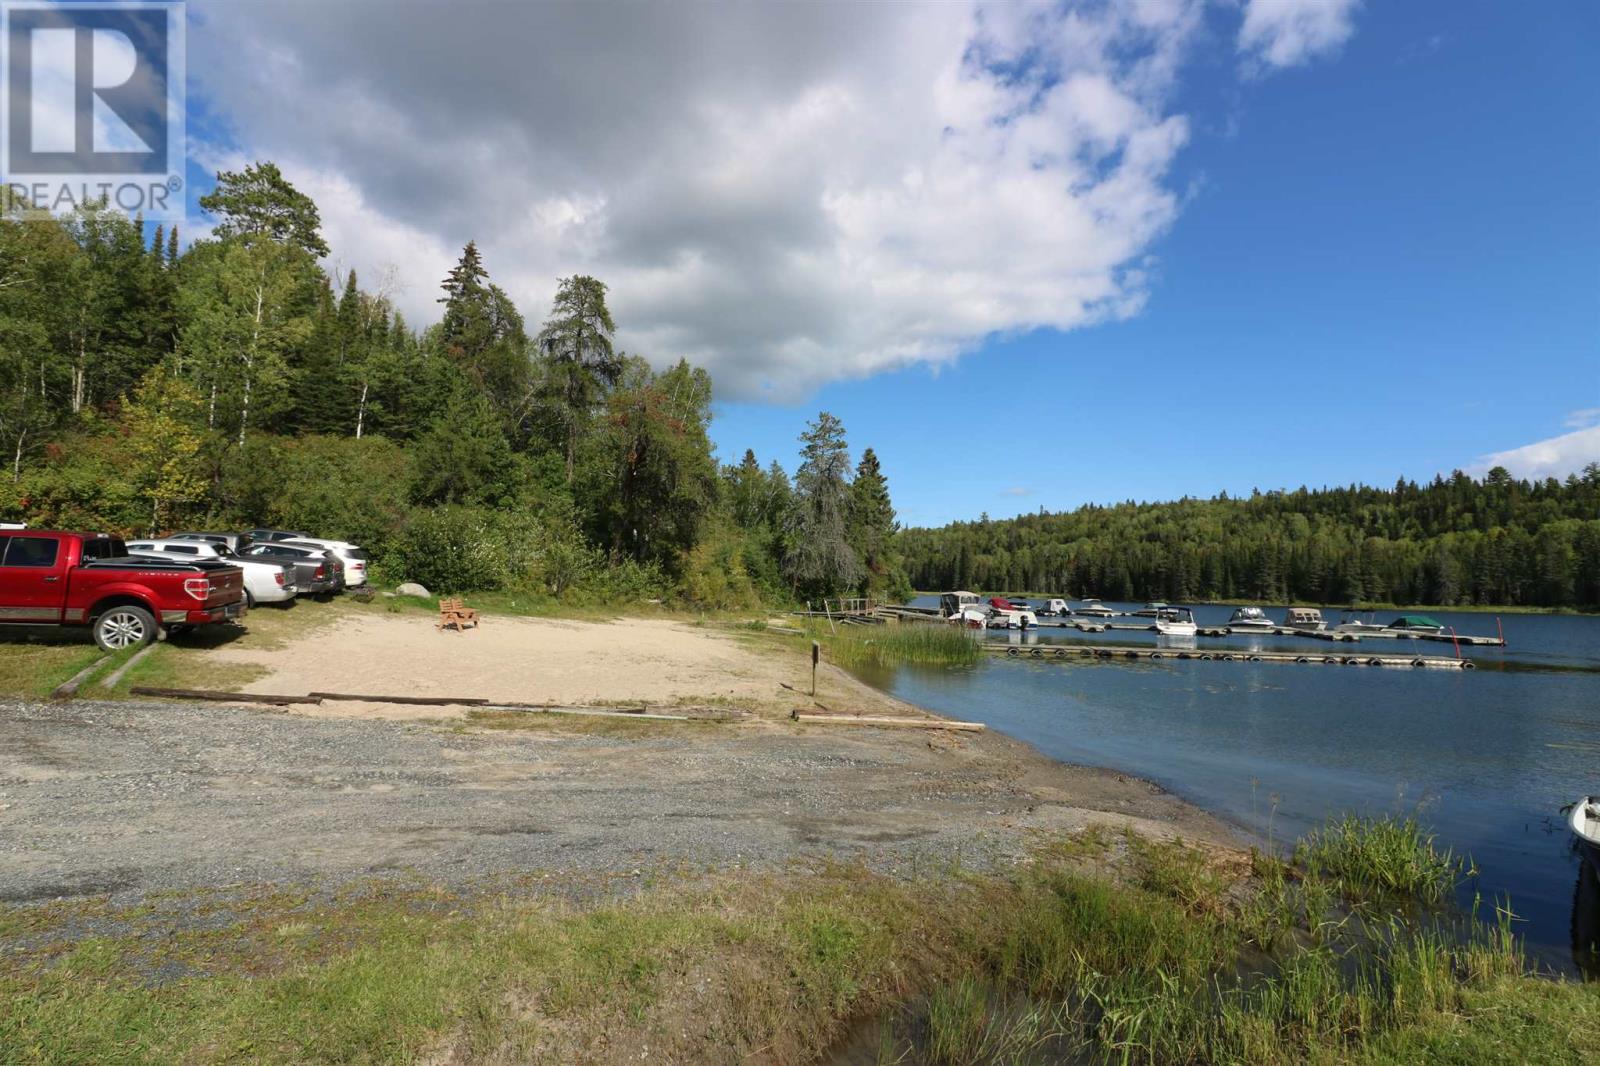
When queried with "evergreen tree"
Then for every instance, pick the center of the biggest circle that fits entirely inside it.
(579, 360)
(819, 558)
(463, 456)
(259, 202)
(482, 333)
(873, 526)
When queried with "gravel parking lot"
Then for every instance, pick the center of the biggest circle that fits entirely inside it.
(128, 798)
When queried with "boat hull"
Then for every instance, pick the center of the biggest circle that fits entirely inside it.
(1584, 821)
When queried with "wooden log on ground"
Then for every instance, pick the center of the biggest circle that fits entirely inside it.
(69, 687)
(589, 712)
(214, 696)
(420, 701)
(882, 720)
(120, 672)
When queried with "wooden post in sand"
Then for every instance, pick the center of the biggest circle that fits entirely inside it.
(816, 653)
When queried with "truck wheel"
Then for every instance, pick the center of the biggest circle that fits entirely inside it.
(249, 601)
(124, 627)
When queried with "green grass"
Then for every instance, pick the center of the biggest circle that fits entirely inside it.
(1098, 950)
(1376, 858)
(888, 645)
(36, 667)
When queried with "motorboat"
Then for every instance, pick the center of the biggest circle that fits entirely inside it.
(1415, 623)
(1150, 610)
(1176, 622)
(1305, 619)
(1584, 821)
(1251, 620)
(1093, 608)
(1003, 614)
(1353, 625)
(1056, 608)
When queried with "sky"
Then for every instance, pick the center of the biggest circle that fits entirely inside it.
(1034, 254)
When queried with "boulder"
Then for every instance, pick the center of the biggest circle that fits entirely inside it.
(411, 588)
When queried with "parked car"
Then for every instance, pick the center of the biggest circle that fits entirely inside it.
(261, 535)
(50, 578)
(265, 580)
(238, 542)
(353, 558)
(316, 571)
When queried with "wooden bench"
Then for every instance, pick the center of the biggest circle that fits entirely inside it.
(454, 614)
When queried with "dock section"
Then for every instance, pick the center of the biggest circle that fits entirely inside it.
(1080, 652)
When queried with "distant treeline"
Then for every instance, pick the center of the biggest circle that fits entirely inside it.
(1455, 541)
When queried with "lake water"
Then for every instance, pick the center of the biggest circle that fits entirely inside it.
(1486, 757)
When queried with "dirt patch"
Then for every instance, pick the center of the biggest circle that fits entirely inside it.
(526, 660)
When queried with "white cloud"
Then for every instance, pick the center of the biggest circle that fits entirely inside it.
(1016, 490)
(1287, 33)
(1556, 457)
(1582, 418)
(786, 194)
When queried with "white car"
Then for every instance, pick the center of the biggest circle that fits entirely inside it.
(264, 581)
(354, 558)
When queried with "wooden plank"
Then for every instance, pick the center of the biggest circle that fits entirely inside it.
(221, 697)
(421, 701)
(122, 671)
(893, 723)
(589, 712)
(69, 687)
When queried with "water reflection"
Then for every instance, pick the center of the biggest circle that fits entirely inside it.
(1586, 920)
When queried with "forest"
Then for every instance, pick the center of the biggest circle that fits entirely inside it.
(146, 387)
(1456, 541)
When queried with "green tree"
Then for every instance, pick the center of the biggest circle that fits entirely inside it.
(579, 362)
(873, 526)
(160, 423)
(260, 202)
(819, 558)
(482, 333)
(463, 456)
(245, 308)
(648, 468)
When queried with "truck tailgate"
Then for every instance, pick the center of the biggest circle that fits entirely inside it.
(227, 586)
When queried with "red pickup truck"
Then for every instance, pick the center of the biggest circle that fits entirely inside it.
(72, 579)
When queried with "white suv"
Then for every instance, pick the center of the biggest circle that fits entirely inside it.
(264, 581)
(353, 557)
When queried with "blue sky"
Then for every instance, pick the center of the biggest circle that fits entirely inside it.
(1036, 253)
(1388, 265)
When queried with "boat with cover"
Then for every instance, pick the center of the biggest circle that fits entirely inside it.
(1176, 622)
(1057, 608)
(1584, 821)
(1308, 619)
(1150, 610)
(1251, 620)
(1416, 623)
(1093, 608)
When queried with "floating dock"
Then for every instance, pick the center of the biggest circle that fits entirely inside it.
(1079, 652)
(1283, 631)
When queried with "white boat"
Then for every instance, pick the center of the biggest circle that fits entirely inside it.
(1306, 619)
(1056, 608)
(1351, 624)
(1093, 608)
(1005, 614)
(1176, 622)
(1584, 821)
(1150, 610)
(1250, 620)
